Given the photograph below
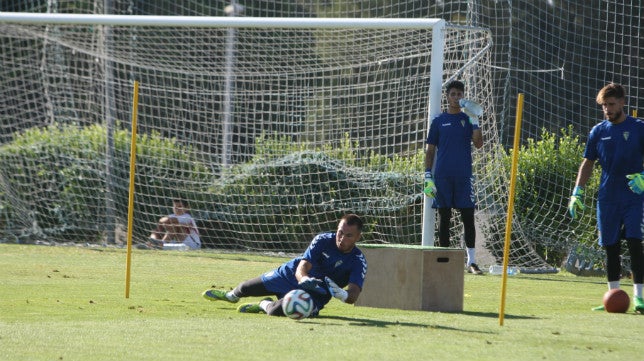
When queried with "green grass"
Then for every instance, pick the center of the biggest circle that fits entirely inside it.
(68, 303)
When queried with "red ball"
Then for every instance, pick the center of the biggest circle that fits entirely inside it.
(616, 301)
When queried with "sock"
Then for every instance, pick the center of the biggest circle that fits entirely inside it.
(613, 285)
(231, 296)
(263, 304)
(470, 255)
(637, 290)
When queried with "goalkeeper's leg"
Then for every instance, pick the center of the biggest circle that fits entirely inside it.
(252, 287)
(274, 308)
(613, 268)
(637, 259)
(469, 230)
(613, 263)
(637, 269)
(445, 218)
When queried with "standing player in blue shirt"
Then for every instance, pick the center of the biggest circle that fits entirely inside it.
(450, 139)
(330, 263)
(618, 144)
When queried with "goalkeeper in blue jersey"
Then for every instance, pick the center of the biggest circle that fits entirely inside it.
(329, 264)
(449, 142)
(617, 143)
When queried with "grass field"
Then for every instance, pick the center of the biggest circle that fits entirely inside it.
(68, 303)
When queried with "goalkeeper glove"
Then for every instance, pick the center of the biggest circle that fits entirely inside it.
(636, 183)
(576, 201)
(314, 285)
(335, 290)
(429, 187)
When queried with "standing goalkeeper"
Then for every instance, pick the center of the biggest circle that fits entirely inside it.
(618, 144)
(332, 261)
(450, 139)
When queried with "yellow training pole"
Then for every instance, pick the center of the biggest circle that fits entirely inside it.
(130, 206)
(508, 222)
(635, 113)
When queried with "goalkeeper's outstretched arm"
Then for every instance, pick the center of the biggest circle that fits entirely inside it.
(354, 292)
(308, 283)
(302, 270)
(350, 295)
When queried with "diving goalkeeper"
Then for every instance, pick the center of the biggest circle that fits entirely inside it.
(331, 262)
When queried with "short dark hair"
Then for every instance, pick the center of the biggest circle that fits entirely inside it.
(351, 219)
(455, 84)
(611, 90)
(182, 201)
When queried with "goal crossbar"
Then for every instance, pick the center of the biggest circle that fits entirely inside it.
(219, 21)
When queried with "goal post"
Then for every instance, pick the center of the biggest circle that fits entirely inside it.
(329, 115)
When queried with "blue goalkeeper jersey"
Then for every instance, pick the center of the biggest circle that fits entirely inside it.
(619, 149)
(327, 260)
(452, 136)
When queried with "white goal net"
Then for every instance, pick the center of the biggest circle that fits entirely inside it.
(269, 128)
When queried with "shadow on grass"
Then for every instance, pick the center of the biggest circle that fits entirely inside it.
(371, 322)
(562, 278)
(578, 279)
(496, 315)
(364, 322)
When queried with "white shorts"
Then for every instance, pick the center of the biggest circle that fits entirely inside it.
(188, 243)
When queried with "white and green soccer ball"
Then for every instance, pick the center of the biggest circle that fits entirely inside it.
(297, 304)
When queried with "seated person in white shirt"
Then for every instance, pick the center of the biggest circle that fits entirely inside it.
(176, 228)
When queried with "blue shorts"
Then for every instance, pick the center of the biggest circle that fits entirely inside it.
(280, 285)
(619, 220)
(454, 192)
